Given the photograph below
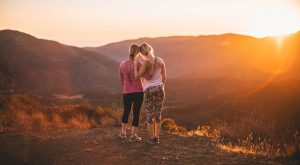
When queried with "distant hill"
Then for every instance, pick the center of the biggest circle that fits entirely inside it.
(215, 74)
(207, 75)
(209, 56)
(44, 67)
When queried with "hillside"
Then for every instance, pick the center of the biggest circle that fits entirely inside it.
(208, 56)
(43, 68)
(102, 146)
(209, 76)
(241, 89)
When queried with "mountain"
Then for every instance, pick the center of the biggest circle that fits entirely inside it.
(43, 67)
(215, 74)
(208, 56)
(206, 75)
(226, 57)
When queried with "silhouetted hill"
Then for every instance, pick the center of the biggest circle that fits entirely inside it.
(208, 56)
(207, 75)
(212, 75)
(44, 67)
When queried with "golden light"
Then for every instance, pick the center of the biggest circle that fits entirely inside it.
(279, 42)
(273, 21)
(285, 59)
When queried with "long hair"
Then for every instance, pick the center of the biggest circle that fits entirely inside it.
(146, 49)
(134, 48)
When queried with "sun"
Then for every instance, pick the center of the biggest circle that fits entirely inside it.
(274, 21)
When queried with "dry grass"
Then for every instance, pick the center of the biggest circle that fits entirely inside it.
(80, 121)
(170, 125)
(20, 113)
(254, 133)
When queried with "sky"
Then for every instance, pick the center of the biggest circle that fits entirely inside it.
(98, 22)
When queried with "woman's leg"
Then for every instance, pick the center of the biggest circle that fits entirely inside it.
(158, 103)
(150, 127)
(149, 109)
(137, 103)
(127, 101)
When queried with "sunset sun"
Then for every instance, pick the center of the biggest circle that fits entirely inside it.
(273, 21)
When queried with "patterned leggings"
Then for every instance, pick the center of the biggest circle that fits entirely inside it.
(154, 98)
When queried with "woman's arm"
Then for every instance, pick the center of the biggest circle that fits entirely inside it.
(139, 72)
(163, 73)
(121, 76)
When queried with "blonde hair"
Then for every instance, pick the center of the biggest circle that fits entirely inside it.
(134, 48)
(146, 49)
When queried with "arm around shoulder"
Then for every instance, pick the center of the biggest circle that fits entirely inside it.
(139, 72)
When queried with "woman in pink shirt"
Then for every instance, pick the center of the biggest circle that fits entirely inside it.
(132, 94)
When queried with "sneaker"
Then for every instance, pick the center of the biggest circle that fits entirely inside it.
(135, 138)
(122, 135)
(156, 140)
(152, 141)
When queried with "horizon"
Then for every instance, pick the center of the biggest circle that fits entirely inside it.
(87, 46)
(97, 23)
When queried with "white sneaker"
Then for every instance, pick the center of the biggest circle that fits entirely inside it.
(122, 135)
(135, 138)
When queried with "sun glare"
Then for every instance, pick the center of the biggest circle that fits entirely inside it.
(279, 40)
(274, 21)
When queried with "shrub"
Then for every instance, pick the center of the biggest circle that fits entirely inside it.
(170, 125)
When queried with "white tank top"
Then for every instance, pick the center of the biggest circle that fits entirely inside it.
(154, 81)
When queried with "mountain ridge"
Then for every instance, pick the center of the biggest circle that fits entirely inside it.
(41, 66)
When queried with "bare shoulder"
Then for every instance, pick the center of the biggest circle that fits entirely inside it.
(160, 60)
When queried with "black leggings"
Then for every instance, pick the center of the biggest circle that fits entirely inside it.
(136, 99)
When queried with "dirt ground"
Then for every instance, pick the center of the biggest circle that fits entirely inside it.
(103, 146)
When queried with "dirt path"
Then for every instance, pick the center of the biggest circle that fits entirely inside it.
(102, 146)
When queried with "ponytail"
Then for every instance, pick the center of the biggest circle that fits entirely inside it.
(134, 49)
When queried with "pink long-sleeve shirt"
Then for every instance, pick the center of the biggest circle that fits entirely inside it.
(129, 83)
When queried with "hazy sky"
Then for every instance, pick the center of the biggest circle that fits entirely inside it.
(97, 22)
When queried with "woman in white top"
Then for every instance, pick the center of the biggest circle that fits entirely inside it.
(153, 87)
